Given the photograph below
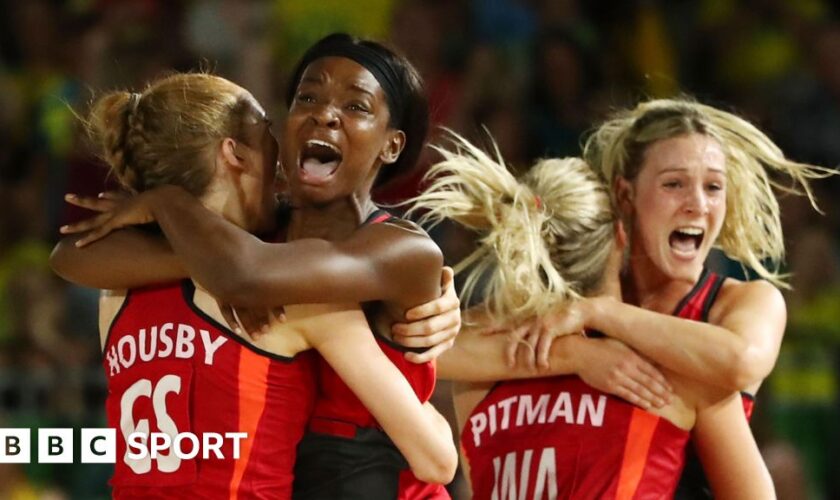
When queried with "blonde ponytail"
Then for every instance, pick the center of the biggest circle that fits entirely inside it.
(535, 247)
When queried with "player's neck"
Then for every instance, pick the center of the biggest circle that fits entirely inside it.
(331, 221)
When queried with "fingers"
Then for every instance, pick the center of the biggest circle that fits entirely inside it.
(98, 204)
(447, 278)
(530, 345)
(516, 336)
(639, 395)
(523, 340)
(445, 303)
(230, 318)
(101, 227)
(255, 321)
(113, 195)
(448, 301)
(632, 398)
(429, 325)
(643, 384)
(430, 354)
(278, 314)
(85, 225)
(543, 348)
(655, 380)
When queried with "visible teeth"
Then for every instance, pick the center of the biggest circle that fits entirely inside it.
(315, 142)
(690, 231)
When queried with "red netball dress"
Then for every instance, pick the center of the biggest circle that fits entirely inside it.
(557, 437)
(602, 447)
(345, 454)
(173, 369)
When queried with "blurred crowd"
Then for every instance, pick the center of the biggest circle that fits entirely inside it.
(537, 74)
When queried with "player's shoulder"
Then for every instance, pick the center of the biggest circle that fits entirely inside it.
(735, 293)
(393, 230)
(388, 221)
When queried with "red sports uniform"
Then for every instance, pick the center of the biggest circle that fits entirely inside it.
(696, 305)
(173, 369)
(345, 454)
(557, 437)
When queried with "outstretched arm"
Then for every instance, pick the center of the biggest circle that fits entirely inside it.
(736, 352)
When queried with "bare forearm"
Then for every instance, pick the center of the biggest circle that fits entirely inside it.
(726, 448)
(227, 260)
(127, 258)
(701, 351)
(210, 246)
(238, 268)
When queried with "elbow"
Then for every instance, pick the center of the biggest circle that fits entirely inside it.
(61, 259)
(57, 259)
(438, 469)
(745, 369)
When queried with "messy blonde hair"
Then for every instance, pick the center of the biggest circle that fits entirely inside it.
(544, 239)
(163, 135)
(752, 230)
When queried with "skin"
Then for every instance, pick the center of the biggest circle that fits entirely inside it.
(487, 354)
(714, 416)
(682, 183)
(343, 104)
(361, 264)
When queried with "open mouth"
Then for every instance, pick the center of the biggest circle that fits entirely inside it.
(319, 159)
(686, 239)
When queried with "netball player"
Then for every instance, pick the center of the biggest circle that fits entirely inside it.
(688, 177)
(550, 239)
(355, 108)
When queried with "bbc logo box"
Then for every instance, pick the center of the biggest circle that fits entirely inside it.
(14, 446)
(56, 446)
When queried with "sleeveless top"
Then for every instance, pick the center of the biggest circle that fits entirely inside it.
(172, 369)
(560, 437)
(345, 454)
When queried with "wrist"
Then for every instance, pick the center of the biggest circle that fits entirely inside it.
(590, 312)
(567, 354)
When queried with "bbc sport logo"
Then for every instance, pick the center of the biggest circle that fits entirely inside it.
(99, 445)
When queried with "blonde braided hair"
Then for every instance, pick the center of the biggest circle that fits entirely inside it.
(165, 134)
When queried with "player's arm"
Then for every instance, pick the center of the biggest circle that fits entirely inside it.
(465, 397)
(420, 433)
(128, 258)
(728, 452)
(377, 262)
(736, 352)
(605, 364)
